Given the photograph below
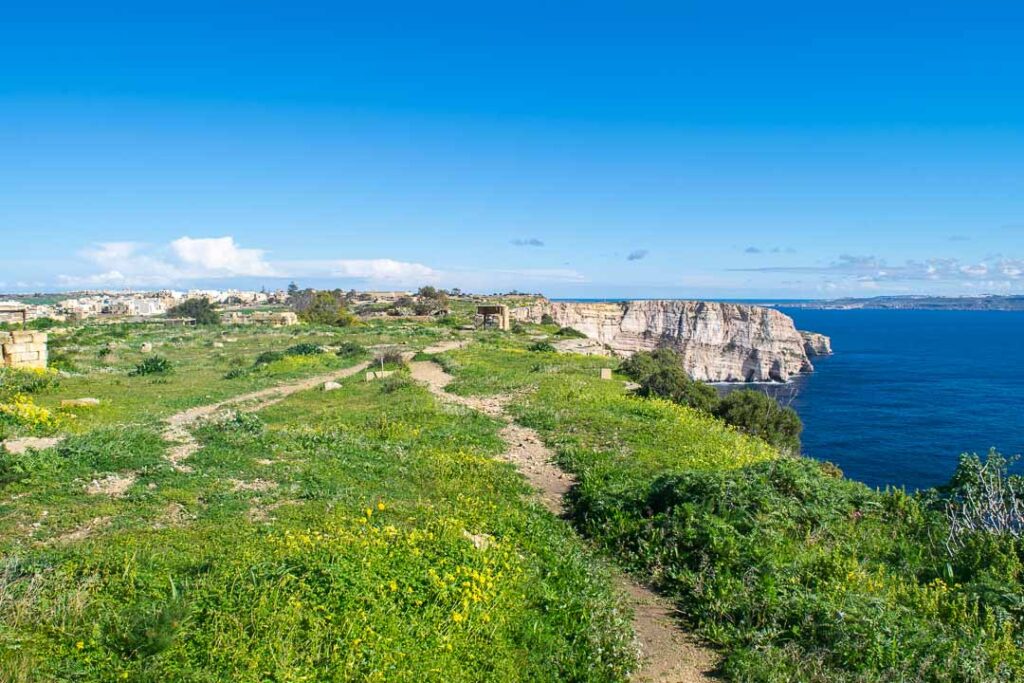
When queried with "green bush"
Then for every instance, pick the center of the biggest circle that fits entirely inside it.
(351, 350)
(268, 357)
(546, 319)
(542, 347)
(393, 383)
(200, 309)
(761, 415)
(673, 383)
(154, 365)
(643, 364)
(391, 358)
(303, 349)
(325, 308)
(570, 333)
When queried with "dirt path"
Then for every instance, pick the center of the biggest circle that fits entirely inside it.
(668, 655)
(178, 425)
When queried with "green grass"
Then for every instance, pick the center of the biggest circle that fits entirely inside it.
(330, 537)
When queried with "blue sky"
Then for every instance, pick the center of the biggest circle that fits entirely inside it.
(580, 149)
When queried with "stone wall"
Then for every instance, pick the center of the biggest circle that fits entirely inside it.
(272, 318)
(24, 349)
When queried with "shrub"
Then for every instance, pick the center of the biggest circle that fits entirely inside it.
(391, 357)
(351, 350)
(303, 349)
(984, 498)
(154, 365)
(21, 411)
(761, 415)
(324, 308)
(390, 385)
(570, 333)
(245, 423)
(199, 309)
(542, 347)
(268, 357)
(26, 380)
(546, 319)
(643, 364)
(673, 383)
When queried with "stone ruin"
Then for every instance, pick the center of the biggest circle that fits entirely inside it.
(494, 315)
(272, 318)
(24, 349)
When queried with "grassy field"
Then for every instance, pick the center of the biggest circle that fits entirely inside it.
(361, 534)
(369, 533)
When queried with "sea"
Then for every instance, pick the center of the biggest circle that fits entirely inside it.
(906, 392)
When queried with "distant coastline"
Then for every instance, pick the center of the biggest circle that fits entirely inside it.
(878, 303)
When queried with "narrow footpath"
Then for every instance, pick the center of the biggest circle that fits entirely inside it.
(668, 655)
(178, 430)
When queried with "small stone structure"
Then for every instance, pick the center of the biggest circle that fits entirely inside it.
(494, 314)
(24, 349)
(272, 318)
(606, 373)
(378, 374)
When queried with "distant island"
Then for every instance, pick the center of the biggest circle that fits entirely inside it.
(920, 302)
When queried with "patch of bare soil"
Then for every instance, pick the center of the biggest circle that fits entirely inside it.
(179, 424)
(450, 345)
(174, 515)
(262, 513)
(668, 654)
(83, 532)
(113, 485)
(254, 485)
(22, 445)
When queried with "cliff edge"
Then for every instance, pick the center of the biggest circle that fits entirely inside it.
(719, 342)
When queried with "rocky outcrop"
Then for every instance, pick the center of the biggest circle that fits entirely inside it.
(816, 344)
(719, 342)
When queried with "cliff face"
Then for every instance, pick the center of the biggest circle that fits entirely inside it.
(816, 344)
(719, 342)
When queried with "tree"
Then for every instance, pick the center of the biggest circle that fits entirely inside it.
(430, 299)
(761, 415)
(643, 364)
(293, 289)
(325, 308)
(199, 309)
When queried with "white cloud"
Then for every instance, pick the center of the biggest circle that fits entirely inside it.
(219, 256)
(132, 264)
(383, 269)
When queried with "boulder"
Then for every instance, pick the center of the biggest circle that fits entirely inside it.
(146, 347)
(79, 402)
(331, 386)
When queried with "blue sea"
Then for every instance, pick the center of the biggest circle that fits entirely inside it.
(906, 392)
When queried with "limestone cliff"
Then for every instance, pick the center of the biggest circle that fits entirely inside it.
(719, 342)
(816, 344)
